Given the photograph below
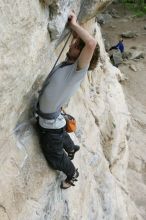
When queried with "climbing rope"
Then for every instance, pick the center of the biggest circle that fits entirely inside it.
(32, 118)
(67, 40)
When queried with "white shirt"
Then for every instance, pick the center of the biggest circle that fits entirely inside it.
(57, 123)
(62, 85)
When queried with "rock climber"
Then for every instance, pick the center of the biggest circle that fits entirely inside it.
(57, 146)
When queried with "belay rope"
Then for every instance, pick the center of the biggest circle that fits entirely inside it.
(66, 40)
(36, 110)
(24, 125)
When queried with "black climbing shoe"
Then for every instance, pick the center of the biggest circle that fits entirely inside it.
(68, 183)
(71, 154)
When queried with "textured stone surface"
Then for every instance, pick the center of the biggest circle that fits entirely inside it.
(128, 34)
(58, 13)
(29, 188)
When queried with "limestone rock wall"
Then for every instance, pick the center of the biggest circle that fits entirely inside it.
(29, 188)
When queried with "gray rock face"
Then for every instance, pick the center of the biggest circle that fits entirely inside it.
(59, 12)
(127, 55)
(128, 34)
(137, 55)
(49, 2)
(117, 57)
(103, 18)
(91, 8)
(133, 67)
(113, 12)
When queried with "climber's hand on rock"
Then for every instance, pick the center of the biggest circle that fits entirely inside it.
(72, 19)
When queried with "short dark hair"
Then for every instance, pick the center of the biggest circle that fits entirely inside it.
(81, 44)
(95, 58)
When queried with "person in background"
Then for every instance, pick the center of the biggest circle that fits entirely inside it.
(116, 55)
(119, 46)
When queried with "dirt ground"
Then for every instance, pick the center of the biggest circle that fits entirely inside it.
(135, 94)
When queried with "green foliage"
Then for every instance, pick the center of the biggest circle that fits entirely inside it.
(144, 9)
(139, 14)
(137, 6)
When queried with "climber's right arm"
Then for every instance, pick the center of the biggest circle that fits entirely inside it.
(90, 43)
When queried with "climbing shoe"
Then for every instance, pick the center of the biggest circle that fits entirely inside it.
(71, 154)
(68, 183)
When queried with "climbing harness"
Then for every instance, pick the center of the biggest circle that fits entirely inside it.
(67, 39)
(37, 112)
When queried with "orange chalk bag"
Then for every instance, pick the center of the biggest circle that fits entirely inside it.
(71, 124)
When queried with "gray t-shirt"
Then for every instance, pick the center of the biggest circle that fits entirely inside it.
(62, 85)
